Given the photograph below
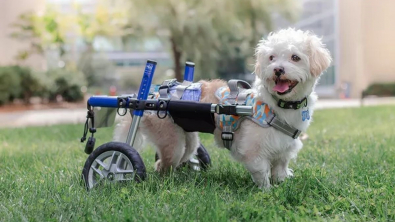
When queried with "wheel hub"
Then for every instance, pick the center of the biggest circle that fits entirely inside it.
(110, 176)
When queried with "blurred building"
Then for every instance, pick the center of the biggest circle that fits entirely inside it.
(360, 35)
(366, 43)
(9, 48)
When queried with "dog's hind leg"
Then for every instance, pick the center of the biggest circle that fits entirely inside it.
(192, 143)
(168, 138)
(170, 154)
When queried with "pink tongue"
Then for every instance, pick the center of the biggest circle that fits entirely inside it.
(281, 86)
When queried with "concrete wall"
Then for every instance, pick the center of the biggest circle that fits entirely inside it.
(379, 40)
(9, 48)
(366, 43)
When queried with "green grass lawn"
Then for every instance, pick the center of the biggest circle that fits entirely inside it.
(346, 171)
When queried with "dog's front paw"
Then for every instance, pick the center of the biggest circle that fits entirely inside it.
(262, 180)
(158, 165)
(279, 175)
(290, 172)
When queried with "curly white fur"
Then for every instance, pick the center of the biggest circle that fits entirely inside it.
(265, 152)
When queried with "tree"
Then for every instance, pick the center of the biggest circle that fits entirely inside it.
(203, 30)
(43, 31)
(108, 19)
(53, 31)
(254, 19)
(187, 28)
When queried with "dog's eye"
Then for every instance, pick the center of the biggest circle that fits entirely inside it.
(271, 58)
(295, 58)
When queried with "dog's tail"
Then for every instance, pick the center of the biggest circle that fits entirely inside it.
(121, 132)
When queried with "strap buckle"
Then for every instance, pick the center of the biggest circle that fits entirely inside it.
(227, 136)
(226, 109)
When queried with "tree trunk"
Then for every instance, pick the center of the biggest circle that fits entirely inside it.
(177, 60)
(26, 97)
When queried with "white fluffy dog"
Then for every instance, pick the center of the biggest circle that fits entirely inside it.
(288, 66)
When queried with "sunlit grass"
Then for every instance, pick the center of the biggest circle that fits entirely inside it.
(344, 172)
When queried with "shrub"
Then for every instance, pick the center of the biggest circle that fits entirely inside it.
(65, 83)
(9, 84)
(380, 89)
(30, 84)
(21, 82)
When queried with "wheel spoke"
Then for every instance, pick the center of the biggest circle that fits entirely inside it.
(124, 171)
(102, 164)
(98, 172)
(120, 157)
(125, 179)
(112, 158)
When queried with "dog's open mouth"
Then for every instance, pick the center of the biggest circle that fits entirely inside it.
(283, 85)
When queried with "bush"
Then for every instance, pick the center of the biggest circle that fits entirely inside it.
(10, 87)
(20, 82)
(29, 82)
(380, 89)
(65, 83)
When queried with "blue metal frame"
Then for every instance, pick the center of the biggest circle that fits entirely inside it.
(112, 101)
(103, 101)
(145, 84)
(189, 71)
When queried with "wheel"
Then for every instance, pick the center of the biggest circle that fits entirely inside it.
(114, 162)
(203, 157)
(204, 160)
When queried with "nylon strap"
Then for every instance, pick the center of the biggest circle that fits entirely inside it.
(233, 85)
(279, 125)
(180, 89)
(227, 136)
(164, 89)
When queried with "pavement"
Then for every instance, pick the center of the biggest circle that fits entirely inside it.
(78, 115)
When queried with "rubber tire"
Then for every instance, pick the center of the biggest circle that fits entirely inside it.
(128, 151)
(203, 157)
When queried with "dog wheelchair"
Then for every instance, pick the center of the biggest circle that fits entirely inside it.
(119, 161)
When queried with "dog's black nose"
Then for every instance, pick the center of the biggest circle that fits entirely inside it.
(278, 71)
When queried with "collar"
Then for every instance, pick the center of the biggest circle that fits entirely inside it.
(291, 104)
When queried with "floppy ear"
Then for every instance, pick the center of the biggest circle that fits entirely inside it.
(260, 52)
(257, 70)
(319, 56)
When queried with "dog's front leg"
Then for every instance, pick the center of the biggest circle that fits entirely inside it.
(260, 172)
(280, 169)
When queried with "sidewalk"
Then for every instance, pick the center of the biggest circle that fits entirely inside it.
(78, 115)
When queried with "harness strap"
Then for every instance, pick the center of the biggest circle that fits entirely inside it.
(164, 89)
(227, 136)
(233, 85)
(279, 125)
(180, 89)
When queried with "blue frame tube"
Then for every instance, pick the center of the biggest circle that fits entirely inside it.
(112, 101)
(103, 101)
(145, 84)
(189, 71)
(142, 95)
